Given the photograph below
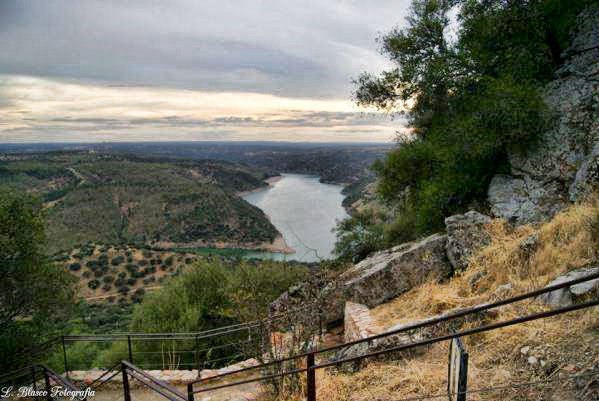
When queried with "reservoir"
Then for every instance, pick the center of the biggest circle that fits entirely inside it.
(305, 211)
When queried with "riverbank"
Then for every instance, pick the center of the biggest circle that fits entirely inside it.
(270, 181)
(278, 245)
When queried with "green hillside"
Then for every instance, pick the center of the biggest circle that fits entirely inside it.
(120, 199)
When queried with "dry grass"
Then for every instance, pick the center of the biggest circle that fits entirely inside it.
(567, 344)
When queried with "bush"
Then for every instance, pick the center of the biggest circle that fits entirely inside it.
(117, 260)
(106, 287)
(108, 279)
(75, 266)
(131, 281)
(137, 296)
(124, 289)
(168, 262)
(86, 274)
(93, 284)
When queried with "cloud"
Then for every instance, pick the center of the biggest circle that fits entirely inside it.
(284, 47)
(186, 68)
(50, 110)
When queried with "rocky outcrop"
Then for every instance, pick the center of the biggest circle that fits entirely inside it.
(587, 178)
(525, 200)
(376, 279)
(389, 273)
(562, 166)
(569, 295)
(466, 234)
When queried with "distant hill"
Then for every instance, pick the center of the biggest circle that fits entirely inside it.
(339, 163)
(117, 199)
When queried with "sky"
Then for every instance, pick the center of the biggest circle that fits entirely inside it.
(137, 70)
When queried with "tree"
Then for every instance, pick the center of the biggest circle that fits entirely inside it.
(34, 293)
(471, 101)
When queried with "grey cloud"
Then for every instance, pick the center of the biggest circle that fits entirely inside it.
(299, 119)
(290, 48)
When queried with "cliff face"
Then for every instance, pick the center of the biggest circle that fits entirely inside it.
(564, 166)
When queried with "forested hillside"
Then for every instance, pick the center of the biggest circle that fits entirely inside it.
(118, 199)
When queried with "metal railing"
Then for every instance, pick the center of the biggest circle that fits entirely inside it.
(311, 367)
(129, 370)
(158, 386)
(193, 350)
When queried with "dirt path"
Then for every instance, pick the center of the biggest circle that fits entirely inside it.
(244, 392)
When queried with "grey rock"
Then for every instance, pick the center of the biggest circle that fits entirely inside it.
(562, 166)
(529, 245)
(376, 279)
(389, 273)
(524, 200)
(466, 234)
(475, 279)
(503, 291)
(587, 178)
(567, 296)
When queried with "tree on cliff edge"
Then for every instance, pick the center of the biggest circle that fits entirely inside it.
(34, 293)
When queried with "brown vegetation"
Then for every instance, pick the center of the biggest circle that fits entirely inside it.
(561, 346)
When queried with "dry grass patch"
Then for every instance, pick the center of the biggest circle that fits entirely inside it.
(526, 258)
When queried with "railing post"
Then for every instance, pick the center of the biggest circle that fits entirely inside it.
(33, 372)
(126, 393)
(190, 392)
(64, 355)
(129, 347)
(48, 388)
(311, 377)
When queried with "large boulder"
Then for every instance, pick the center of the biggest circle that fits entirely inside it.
(562, 165)
(376, 279)
(466, 234)
(389, 273)
(525, 200)
(569, 295)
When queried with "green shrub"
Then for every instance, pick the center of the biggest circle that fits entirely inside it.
(117, 260)
(75, 266)
(93, 284)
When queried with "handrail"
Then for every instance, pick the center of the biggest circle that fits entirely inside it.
(404, 347)
(109, 370)
(157, 385)
(182, 335)
(49, 373)
(424, 323)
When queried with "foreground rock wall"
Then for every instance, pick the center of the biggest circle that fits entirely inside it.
(564, 166)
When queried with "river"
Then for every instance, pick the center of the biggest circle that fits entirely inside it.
(305, 211)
